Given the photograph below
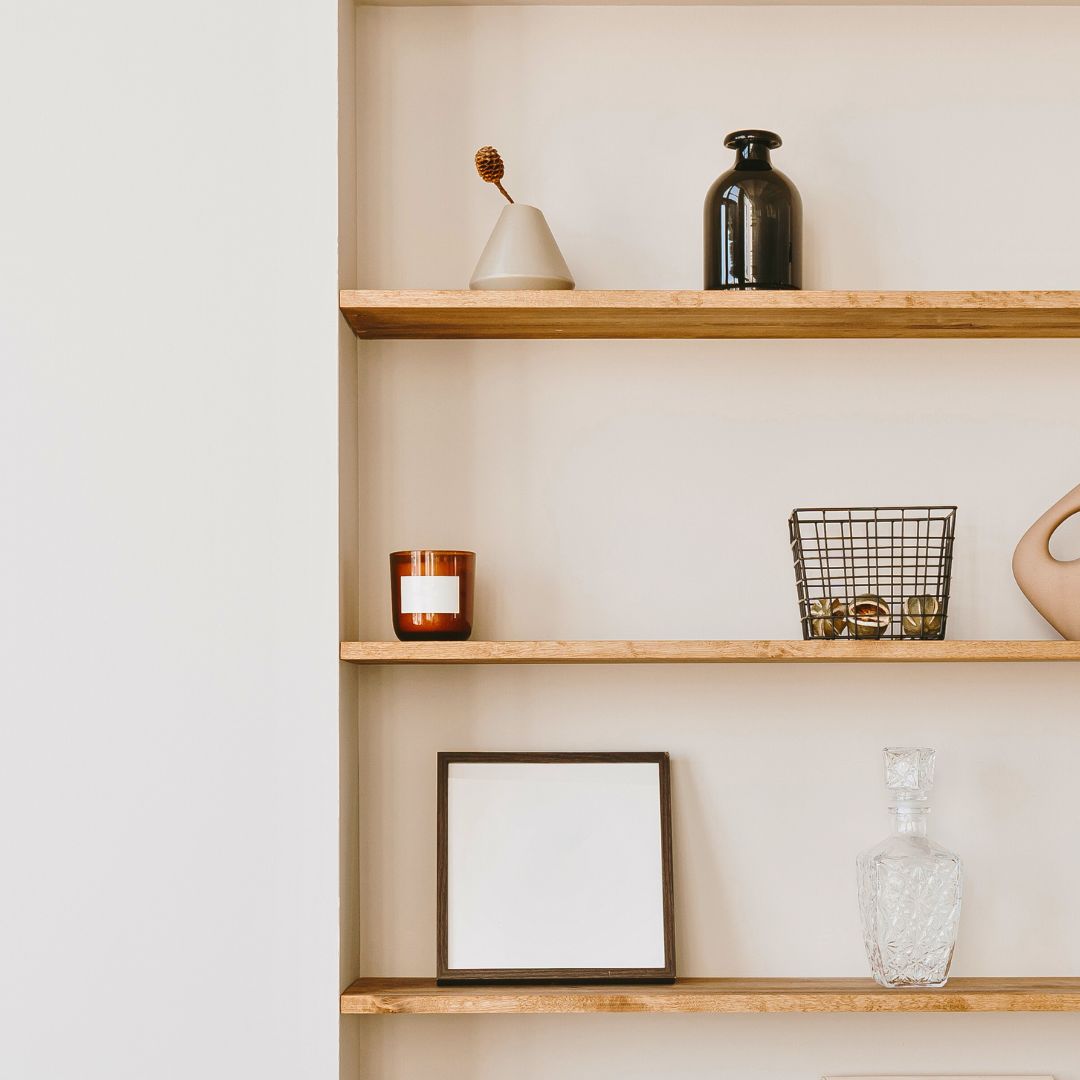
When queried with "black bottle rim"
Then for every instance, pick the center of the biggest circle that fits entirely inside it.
(738, 139)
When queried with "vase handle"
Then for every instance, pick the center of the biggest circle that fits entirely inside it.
(1051, 585)
(1037, 538)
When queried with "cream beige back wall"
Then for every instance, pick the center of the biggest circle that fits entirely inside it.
(640, 489)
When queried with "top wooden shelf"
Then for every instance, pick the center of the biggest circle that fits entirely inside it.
(632, 314)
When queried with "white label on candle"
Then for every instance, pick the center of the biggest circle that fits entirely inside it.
(425, 594)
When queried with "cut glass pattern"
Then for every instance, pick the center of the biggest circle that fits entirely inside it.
(910, 888)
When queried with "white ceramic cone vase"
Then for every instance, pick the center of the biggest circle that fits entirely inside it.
(521, 253)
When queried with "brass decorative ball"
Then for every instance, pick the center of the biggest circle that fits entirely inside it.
(867, 617)
(827, 617)
(922, 617)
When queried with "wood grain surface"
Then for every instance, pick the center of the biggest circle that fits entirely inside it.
(705, 652)
(635, 314)
(376, 996)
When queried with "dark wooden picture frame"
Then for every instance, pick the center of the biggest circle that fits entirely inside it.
(445, 974)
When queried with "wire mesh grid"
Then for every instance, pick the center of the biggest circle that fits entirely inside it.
(873, 572)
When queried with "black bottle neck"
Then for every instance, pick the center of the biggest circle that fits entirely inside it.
(753, 155)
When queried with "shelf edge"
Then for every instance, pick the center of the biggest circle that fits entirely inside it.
(423, 996)
(748, 651)
(686, 314)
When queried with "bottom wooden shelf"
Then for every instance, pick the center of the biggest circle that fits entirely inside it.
(381, 996)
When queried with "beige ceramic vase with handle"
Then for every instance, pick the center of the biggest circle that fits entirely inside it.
(1052, 586)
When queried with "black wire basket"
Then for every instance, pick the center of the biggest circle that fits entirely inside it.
(873, 572)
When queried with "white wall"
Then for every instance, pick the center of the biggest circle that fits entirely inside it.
(641, 489)
(168, 552)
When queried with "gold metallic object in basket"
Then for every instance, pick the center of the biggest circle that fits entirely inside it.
(867, 617)
(827, 617)
(922, 617)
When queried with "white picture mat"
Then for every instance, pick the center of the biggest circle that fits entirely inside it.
(942, 1076)
(554, 865)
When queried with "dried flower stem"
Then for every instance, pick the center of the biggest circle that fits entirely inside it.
(489, 164)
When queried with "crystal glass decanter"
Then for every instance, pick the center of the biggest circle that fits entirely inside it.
(910, 887)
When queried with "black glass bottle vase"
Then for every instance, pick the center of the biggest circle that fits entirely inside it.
(753, 221)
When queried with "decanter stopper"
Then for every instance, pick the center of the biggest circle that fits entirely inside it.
(909, 772)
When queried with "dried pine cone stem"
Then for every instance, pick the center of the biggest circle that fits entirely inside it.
(489, 164)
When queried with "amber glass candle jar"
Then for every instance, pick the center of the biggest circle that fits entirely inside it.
(431, 593)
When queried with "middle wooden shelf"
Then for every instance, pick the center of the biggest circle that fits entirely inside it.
(706, 652)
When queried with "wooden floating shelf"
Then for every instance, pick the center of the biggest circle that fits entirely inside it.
(669, 3)
(381, 996)
(631, 314)
(706, 652)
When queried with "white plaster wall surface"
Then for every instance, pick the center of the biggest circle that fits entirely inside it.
(168, 546)
(641, 489)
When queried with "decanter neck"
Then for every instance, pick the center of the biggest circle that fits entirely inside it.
(753, 155)
(910, 820)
